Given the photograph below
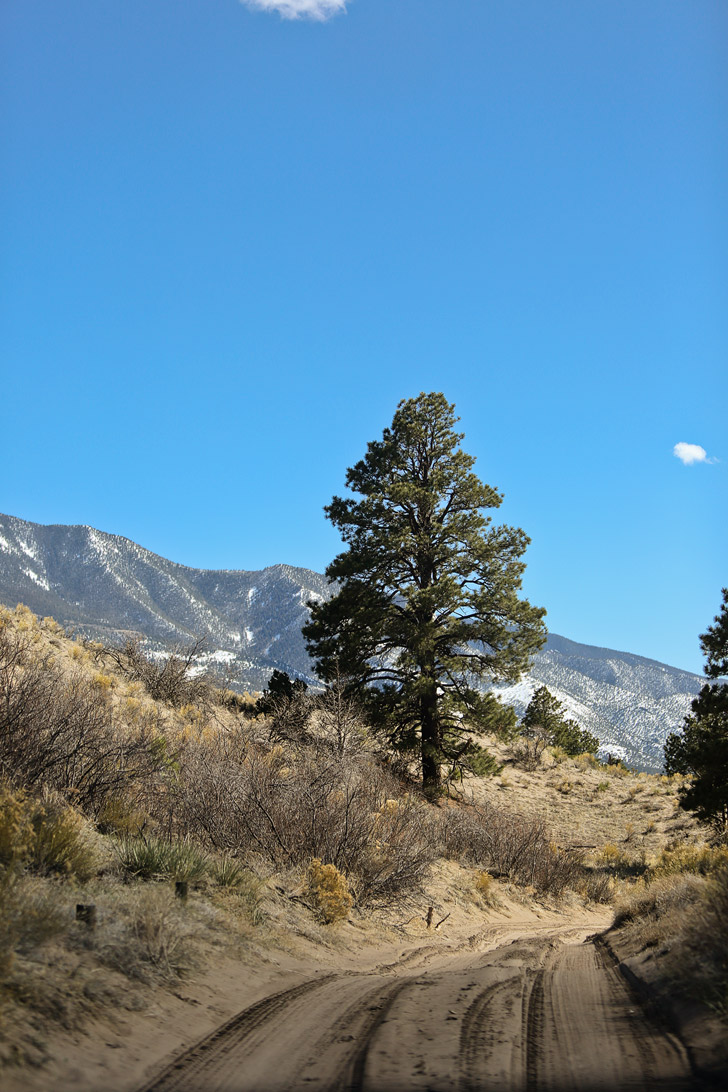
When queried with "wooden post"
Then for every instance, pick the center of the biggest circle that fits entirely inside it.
(180, 889)
(86, 913)
(428, 919)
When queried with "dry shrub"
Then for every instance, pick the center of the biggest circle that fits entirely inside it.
(703, 860)
(57, 729)
(175, 679)
(30, 915)
(329, 892)
(665, 897)
(339, 721)
(46, 835)
(530, 749)
(309, 802)
(147, 936)
(510, 845)
(287, 718)
(596, 887)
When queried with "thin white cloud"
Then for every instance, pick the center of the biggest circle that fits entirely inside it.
(691, 453)
(300, 9)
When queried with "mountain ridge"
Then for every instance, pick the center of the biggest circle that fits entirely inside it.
(107, 587)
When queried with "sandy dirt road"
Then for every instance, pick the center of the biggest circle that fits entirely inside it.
(544, 1011)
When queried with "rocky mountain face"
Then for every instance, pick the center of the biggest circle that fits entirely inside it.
(107, 588)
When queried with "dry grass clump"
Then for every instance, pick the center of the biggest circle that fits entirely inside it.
(486, 887)
(650, 902)
(703, 860)
(147, 935)
(617, 863)
(30, 915)
(685, 914)
(120, 815)
(706, 943)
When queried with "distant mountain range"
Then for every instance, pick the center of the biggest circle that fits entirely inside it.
(107, 588)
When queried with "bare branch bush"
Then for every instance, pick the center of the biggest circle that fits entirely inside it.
(290, 807)
(287, 718)
(530, 748)
(59, 731)
(511, 845)
(339, 720)
(174, 679)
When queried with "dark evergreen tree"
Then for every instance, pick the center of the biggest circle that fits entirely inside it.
(281, 689)
(543, 713)
(545, 716)
(701, 749)
(427, 604)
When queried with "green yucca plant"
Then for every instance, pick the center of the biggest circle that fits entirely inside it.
(157, 858)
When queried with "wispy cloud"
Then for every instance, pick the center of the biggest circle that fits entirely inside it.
(300, 9)
(691, 453)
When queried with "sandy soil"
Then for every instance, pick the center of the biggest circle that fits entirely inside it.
(542, 1012)
(511, 998)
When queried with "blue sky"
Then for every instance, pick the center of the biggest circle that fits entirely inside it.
(233, 241)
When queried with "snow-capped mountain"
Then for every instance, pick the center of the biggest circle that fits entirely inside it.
(107, 587)
(628, 702)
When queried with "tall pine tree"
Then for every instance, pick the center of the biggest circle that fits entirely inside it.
(428, 603)
(701, 749)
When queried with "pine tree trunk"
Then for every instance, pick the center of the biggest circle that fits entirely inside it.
(431, 752)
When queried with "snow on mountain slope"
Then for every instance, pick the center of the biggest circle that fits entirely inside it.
(629, 702)
(108, 587)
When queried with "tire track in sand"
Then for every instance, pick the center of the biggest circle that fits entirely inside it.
(586, 1032)
(211, 1051)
